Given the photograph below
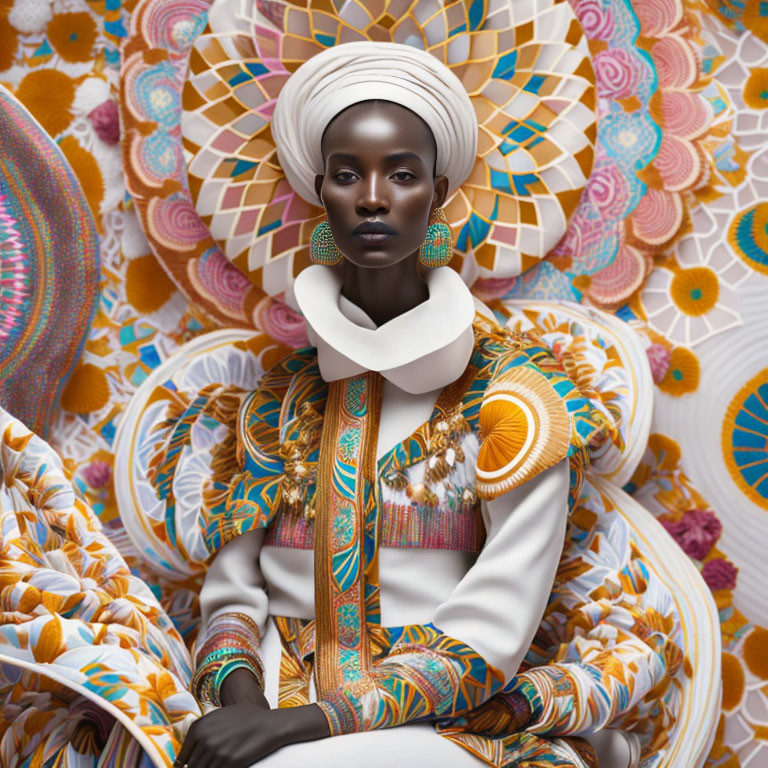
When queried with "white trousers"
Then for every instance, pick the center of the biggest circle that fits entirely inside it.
(413, 746)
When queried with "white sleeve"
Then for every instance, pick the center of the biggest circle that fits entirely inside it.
(498, 605)
(234, 581)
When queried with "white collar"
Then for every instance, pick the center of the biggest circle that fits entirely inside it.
(419, 351)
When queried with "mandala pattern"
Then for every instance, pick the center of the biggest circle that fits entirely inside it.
(748, 236)
(657, 113)
(49, 268)
(537, 118)
(745, 439)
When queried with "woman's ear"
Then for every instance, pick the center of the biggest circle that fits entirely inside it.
(441, 192)
(319, 185)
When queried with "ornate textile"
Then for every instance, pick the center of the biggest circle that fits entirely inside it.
(492, 750)
(77, 619)
(280, 432)
(293, 396)
(49, 269)
(679, 165)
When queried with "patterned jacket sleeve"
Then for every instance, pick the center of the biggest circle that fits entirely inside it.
(234, 609)
(480, 634)
(622, 644)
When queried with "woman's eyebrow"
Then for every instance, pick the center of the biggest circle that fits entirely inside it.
(342, 156)
(394, 157)
(398, 157)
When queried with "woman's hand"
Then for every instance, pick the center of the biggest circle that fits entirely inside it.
(239, 735)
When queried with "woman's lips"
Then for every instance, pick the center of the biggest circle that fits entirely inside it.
(373, 237)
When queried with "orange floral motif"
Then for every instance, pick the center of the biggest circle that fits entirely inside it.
(755, 656)
(87, 390)
(48, 95)
(733, 681)
(147, 286)
(683, 373)
(755, 19)
(73, 35)
(8, 41)
(87, 170)
(695, 290)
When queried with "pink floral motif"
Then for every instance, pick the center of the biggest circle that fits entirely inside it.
(596, 21)
(281, 323)
(487, 289)
(719, 574)
(581, 239)
(97, 474)
(221, 280)
(608, 191)
(658, 357)
(696, 531)
(617, 73)
(106, 121)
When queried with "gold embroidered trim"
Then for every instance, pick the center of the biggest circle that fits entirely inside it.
(329, 675)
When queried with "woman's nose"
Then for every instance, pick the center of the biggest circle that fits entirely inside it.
(373, 197)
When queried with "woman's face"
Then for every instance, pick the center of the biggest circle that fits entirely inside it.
(378, 189)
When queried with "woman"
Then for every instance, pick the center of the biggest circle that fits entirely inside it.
(392, 538)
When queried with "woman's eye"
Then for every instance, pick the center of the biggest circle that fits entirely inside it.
(344, 176)
(403, 176)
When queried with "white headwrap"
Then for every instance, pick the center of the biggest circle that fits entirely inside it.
(349, 73)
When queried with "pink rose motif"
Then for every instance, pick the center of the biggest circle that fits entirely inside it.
(281, 323)
(617, 73)
(607, 190)
(596, 21)
(106, 122)
(658, 357)
(696, 531)
(719, 574)
(97, 474)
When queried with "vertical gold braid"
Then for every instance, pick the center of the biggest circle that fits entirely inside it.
(370, 473)
(328, 676)
(326, 639)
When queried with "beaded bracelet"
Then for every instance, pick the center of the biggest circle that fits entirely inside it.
(230, 641)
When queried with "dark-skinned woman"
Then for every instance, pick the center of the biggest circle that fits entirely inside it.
(392, 541)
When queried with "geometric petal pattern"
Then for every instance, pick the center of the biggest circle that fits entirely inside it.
(530, 83)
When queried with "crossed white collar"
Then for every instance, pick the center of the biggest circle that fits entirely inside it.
(419, 351)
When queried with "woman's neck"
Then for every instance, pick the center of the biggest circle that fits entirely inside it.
(386, 292)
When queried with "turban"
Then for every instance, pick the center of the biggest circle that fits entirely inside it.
(349, 73)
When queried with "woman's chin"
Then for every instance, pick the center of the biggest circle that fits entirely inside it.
(374, 258)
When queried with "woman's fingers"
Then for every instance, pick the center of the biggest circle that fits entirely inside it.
(185, 753)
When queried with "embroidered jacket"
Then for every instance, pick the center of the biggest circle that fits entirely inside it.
(512, 415)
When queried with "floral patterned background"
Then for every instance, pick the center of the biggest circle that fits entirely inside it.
(670, 233)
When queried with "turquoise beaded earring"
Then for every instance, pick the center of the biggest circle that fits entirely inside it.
(437, 250)
(322, 249)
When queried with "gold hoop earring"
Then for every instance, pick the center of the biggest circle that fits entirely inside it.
(322, 248)
(437, 250)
